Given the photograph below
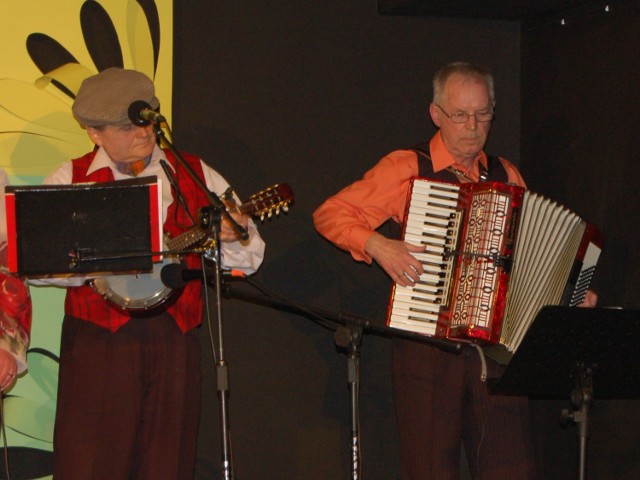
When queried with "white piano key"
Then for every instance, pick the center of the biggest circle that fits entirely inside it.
(416, 327)
(424, 298)
(413, 307)
(407, 316)
(433, 211)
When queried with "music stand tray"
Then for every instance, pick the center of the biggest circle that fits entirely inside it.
(115, 225)
(578, 354)
(560, 339)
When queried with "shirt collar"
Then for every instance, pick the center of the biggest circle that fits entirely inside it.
(441, 158)
(102, 160)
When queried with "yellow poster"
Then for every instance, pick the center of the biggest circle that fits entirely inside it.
(48, 48)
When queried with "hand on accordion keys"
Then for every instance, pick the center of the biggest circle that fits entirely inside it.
(394, 256)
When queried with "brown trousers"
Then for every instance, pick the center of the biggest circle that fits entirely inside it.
(128, 402)
(441, 403)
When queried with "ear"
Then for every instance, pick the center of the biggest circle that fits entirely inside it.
(435, 114)
(95, 135)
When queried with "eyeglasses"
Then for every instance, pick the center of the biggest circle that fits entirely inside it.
(463, 117)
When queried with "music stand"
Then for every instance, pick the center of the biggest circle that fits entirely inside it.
(580, 354)
(83, 228)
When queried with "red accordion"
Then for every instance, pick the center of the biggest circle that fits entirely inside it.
(494, 255)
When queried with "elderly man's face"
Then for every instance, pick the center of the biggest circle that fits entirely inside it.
(463, 95)
(124, 144)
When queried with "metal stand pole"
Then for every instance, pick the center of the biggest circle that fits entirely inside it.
(213, 217)
(350, 337)
(581, 401)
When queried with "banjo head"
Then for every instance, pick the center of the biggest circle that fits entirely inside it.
(142, 291)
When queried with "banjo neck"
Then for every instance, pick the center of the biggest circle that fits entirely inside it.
(262, 204)
(186, 239)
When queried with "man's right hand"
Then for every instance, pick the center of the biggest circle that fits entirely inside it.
(394, 256)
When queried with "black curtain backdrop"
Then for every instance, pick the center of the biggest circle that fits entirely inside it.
(313, 94)
(579, 103)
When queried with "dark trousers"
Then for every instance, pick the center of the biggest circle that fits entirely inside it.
(128, 402)
(441, 403)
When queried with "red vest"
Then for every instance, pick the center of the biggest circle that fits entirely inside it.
(84, 303)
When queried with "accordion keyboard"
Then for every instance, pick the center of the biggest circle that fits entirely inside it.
(433, 221)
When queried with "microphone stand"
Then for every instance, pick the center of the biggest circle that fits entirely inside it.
(348, 335)
(222, 371)
(212, 217)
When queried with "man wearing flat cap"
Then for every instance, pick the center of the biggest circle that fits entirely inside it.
(129, 388)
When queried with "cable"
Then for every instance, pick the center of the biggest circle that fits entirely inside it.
(208, 314)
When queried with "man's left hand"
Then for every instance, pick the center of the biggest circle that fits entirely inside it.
(227, 233)
(590, 300)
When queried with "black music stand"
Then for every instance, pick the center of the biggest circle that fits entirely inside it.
(580, 354)
(83, 228)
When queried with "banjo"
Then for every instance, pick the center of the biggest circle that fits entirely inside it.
(145, 291)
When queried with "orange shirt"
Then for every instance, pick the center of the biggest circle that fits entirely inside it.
(350, 217)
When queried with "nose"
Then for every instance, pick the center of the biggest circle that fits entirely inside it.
(471, 123)
(143, 131)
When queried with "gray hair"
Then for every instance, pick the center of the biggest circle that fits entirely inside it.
(467, 70)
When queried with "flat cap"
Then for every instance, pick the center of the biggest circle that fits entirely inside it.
(104, 99)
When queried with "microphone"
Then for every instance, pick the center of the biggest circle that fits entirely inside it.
(176, 275)
(141, 114)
